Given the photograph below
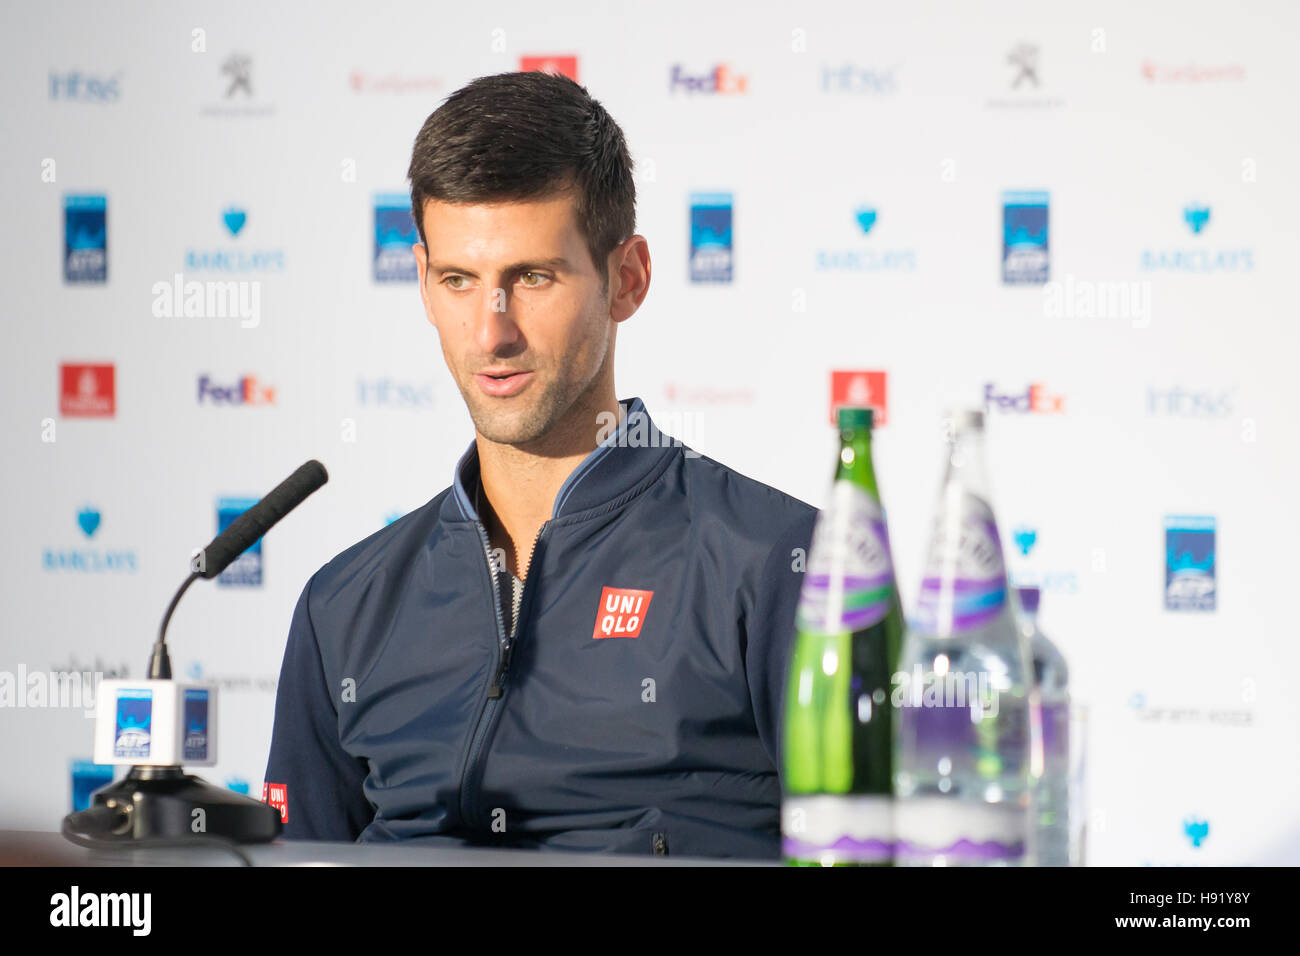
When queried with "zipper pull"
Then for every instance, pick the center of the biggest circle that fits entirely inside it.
(498, 680)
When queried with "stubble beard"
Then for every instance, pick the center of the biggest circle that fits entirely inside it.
(535, 416)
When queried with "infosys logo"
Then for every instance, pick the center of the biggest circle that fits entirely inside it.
(246, 391)
(1035, 399)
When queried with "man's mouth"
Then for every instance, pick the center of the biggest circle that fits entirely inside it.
(503, 383)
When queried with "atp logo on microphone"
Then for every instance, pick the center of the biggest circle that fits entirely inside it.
(134, 718)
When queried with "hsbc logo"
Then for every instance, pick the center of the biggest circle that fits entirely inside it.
(87, 390)
(621, 612)
(1033, 400)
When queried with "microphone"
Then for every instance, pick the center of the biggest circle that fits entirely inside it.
(155, 724)
(258, 520)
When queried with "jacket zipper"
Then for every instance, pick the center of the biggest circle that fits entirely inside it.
(504, 646)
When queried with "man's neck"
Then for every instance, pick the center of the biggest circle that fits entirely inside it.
(519, 485)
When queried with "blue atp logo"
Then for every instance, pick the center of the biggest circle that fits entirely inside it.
(234, 219)
(1196, 217)
(1025, 538)
(866, 217)
(1196, 831)
(88, 518)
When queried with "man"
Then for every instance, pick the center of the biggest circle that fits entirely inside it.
(582, 643)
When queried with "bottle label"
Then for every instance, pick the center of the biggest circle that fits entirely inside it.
(965, 582)
(849, 583)
(838, 828)
(965, 832)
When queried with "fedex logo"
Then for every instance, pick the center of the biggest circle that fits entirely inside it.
(1034, 399)
(721, 79)
(247, 391)
(621, 612)
(277, 795)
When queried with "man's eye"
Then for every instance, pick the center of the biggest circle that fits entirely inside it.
(450, 278)
(533, 285)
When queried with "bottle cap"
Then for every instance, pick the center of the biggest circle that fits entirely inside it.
(966, 419)
(854, 418)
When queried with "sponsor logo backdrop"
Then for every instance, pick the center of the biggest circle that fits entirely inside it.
(1082, 221)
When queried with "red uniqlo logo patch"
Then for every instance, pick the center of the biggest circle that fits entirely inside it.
(621, 612)
(86, 391)
(563, 65)
(277, 795)
(860, 390)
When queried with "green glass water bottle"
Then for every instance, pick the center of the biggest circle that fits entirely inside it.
(838, 721)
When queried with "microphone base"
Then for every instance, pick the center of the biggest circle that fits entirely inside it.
(166, 802)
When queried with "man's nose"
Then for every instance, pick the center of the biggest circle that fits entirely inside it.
(495, 330)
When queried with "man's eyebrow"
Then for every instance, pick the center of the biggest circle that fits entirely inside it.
(558, 263)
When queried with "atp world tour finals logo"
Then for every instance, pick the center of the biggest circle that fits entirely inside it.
(85, 239)
(246, 570)
(711, 243)
(196, 724)
(1024, 238)
(395, 233)
(1190, 563)
(133, 725)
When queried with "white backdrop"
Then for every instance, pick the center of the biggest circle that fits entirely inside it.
(249, 142)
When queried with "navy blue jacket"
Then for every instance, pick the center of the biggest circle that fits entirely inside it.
(637, 709)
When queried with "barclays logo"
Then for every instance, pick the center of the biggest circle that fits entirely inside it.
(237, 259)
(234, 219)
(1196, 831)
(88, 519)
(1198, 260)
(867, 258)
(1196, 218)
(89, 560)
(1025, 539)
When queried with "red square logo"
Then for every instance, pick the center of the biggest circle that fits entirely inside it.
(563, 65)
(621, 612)
(277, 795)
(860, 390)
(86, 391)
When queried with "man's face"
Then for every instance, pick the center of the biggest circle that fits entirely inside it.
(525, 328)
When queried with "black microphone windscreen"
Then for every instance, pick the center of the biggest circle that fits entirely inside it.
(259, 519)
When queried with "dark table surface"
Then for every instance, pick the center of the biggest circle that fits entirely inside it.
(35, 848)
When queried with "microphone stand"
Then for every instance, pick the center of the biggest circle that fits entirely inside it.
(164, 806)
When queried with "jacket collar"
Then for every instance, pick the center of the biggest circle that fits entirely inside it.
(619, 466)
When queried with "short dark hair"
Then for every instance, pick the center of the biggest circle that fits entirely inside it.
(514, 137)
